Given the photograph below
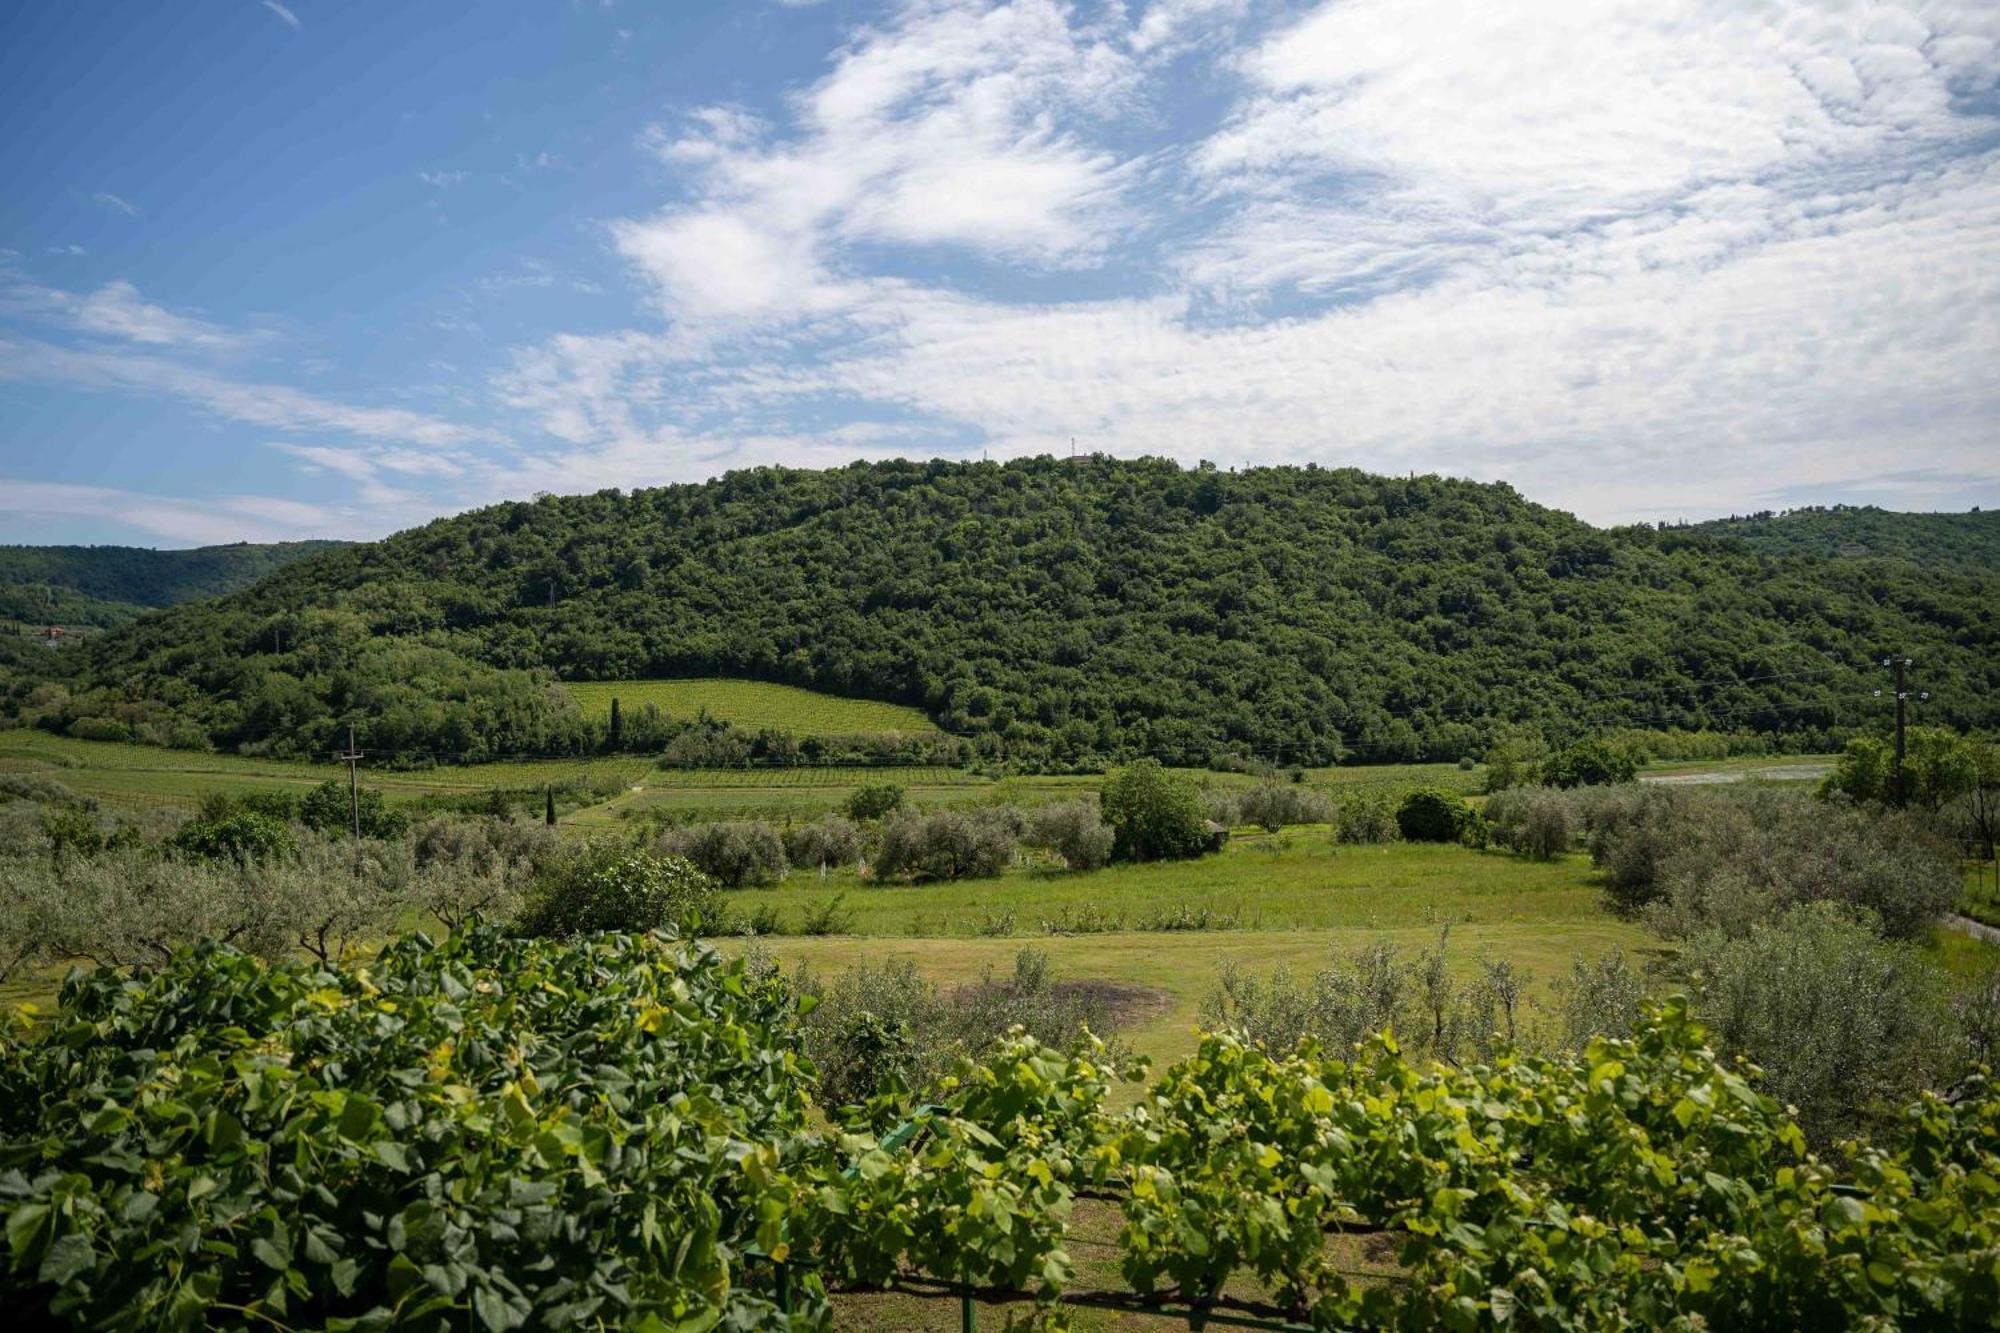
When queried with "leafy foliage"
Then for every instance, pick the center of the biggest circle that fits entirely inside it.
(481, 1132)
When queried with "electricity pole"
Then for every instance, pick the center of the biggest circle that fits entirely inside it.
(353, 758)
(1899, 780)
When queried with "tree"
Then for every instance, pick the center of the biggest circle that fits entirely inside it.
(1432, 814)
(1592, 763)
(1939, 767)
(1154, 815)
(327, 809)
(617, 724)
(874, 801)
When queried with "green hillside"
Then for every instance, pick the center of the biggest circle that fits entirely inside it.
(1047, 610)
(1969, 541)
(109, 585)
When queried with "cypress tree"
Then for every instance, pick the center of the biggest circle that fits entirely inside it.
(617, 724)
(549, 809)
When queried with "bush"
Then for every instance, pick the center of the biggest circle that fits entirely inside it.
(35, 787)
(603, 886)
(327, 808)
(1600, 997)
(1846, 1026)
(1432, 814)
(1154, 815)
(1275, 805)
(242, 837)
(1365, 817)
(883, 1029)
(875, 801)
(477, 868)
(944, 844)
(1729, 857)
(831, 840)
(734, 853)
(1075, 831)
(1589, 764)
(1538, 822)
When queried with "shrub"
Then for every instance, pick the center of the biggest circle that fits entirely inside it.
(327, 808)
(875, 801)
(1592, 763)
(242, 837)
(1536, 821)
(1730, 857)
(944, 844)
(831, 840)
(1075, 831)
(1365, 817)
(476, 868)
(35, 787)
(1600, 997)
(1432, 814)
(1275, 805)
(883, 1029)
(1846, 1026)
(733, 853)
(603, 886)
(1154, 814)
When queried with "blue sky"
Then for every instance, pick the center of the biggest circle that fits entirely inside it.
(320, 269)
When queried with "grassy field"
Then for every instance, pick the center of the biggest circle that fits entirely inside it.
(754, 705)
(1298, 899)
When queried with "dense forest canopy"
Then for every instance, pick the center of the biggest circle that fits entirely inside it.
(1052, 611)
(1968, 541)
(109, 585)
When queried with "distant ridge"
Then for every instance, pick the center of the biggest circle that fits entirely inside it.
(1954, 541)
(1048, 612)
(108, 585)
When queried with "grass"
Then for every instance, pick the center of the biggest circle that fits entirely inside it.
(754, 704)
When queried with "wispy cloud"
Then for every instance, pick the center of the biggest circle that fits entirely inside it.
(291, 19)
(117, 310)
(274, 406)
(441, 180)
(209, 519)
(106, 199)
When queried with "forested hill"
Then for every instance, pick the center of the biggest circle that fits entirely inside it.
(108, 585)
(1941, 541)
(1051, 609)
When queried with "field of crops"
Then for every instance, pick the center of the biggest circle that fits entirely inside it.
(754, 705)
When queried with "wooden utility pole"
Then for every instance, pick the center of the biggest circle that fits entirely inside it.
(353, 758)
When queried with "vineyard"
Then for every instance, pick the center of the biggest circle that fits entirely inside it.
(498, 1133)
(753, 705)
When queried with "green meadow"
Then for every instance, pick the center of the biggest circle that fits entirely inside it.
(753, 705)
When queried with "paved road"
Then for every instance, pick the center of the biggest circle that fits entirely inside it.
(1979, 930)
(1775, 773)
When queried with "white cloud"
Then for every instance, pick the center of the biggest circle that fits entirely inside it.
(210, 519)
(938, 131)
(274, 406)
(116, 310)
(1638, 259)
(291, 19)
(106, 199)
(442, 180)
